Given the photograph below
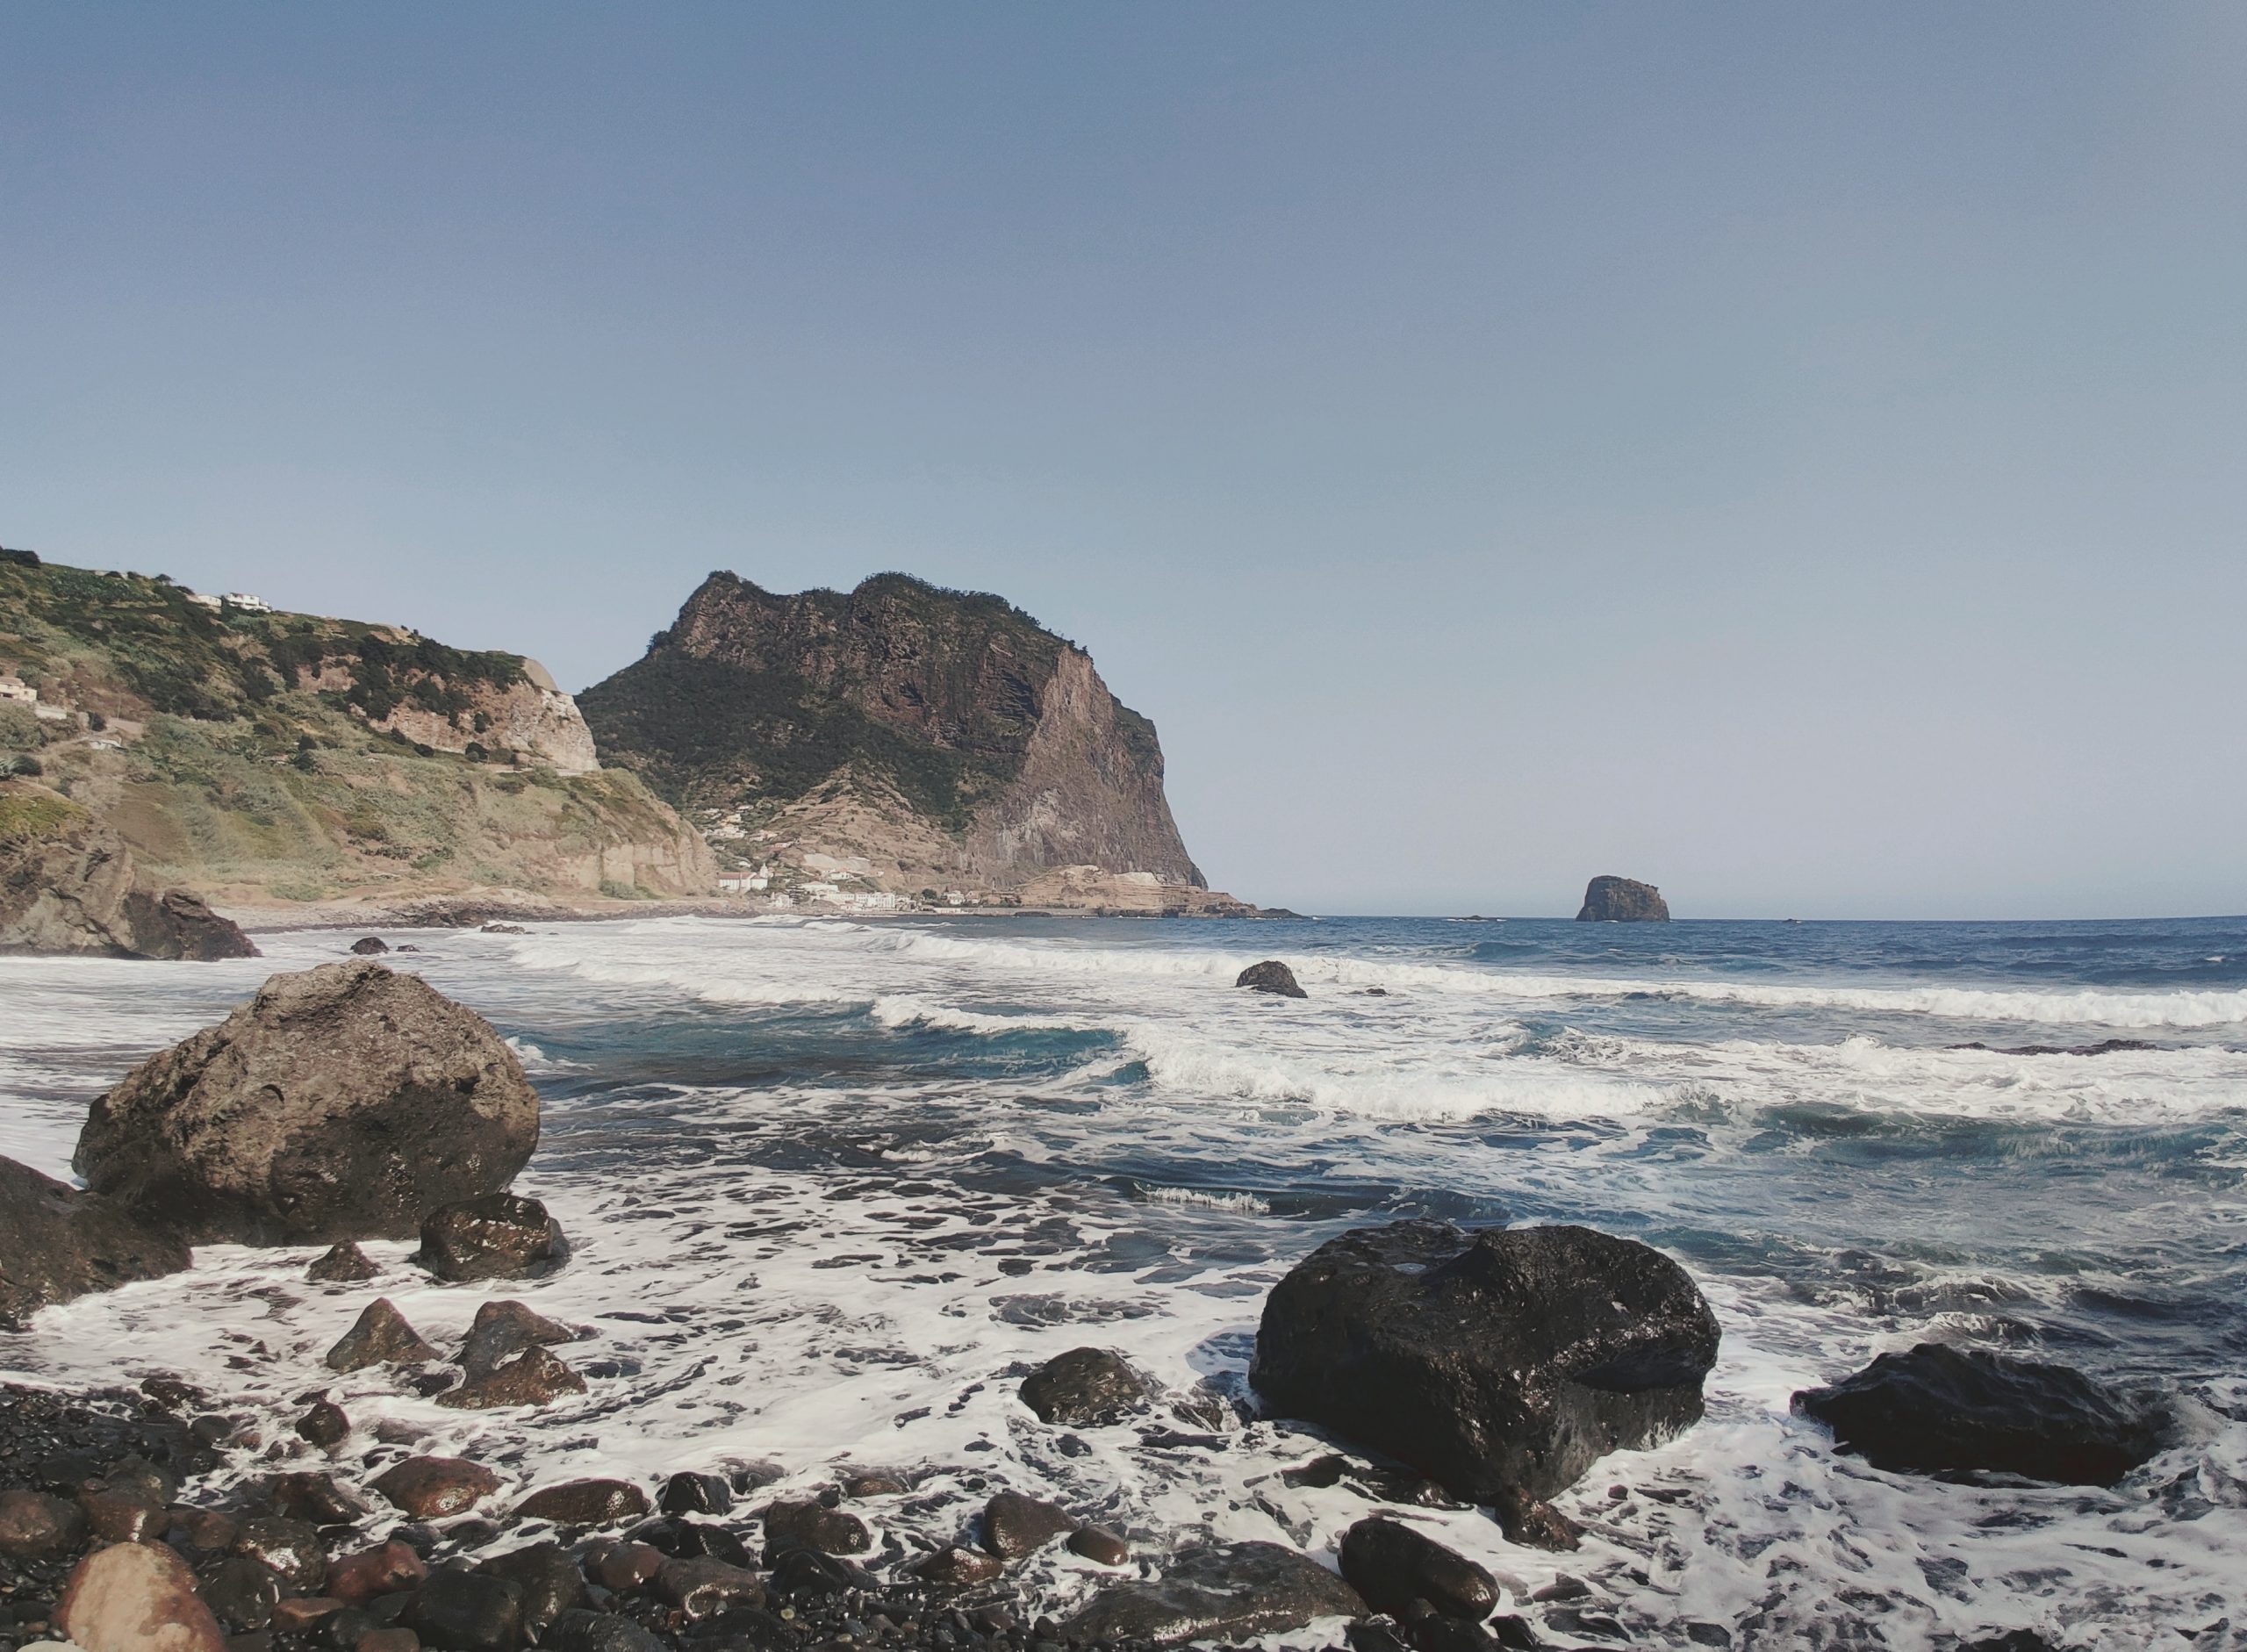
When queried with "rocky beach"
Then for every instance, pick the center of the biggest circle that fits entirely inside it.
(698, 1283)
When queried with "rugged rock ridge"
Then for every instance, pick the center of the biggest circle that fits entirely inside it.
(938, 734)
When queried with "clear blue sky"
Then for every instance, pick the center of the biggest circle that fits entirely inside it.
(1794, 454)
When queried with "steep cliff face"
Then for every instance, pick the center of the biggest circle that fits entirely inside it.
(262, 758)
(936, 734)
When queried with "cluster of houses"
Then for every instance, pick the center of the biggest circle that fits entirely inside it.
(239, 599)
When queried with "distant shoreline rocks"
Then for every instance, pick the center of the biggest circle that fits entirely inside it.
(1612, 899)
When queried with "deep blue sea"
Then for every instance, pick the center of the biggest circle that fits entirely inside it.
(834, 1184)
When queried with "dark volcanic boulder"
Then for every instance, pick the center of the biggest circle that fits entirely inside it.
(379, 1336)
(57, 1242)
(504, 1329)
(1622, 900)
(342, 1103)
(533, 1377)
(1015, 1523)
(500, 1235)
(1270, 976)
(1939, 1410)
(370, 946)
(1505, 1361)
(584, 1503)
(1085, 1387)
(342, 1263)
(1392, 1565)
(1227, 1594)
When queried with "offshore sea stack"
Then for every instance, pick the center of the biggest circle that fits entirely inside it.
(1502, 1363)
(1608, 899)
(343, 1103)
(67, 885)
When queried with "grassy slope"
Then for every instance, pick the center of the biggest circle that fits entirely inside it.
(232, 782)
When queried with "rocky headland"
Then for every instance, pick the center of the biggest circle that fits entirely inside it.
(899, 741)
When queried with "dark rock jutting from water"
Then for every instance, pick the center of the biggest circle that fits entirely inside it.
(498, 1236)
(1086, 1388)
(1503, 1363)
(1271, 976)
(1229, 1593)
(1611, 900)
(1940, 1410)
(343, 1103)
(62, 1244)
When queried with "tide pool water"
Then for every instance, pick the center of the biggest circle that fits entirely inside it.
(833, 1187)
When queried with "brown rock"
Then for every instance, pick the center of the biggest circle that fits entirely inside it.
(178, 925)
(380, 1336)
(1014, 1525)
(873, 1485)
(303, 1611)
(67, 885)
(343, 1263)
(315, 1498)
(390, 1639)
(624, 1567)
(504, 1329)
(323, 1426)
(63, 1244)
(1098, 1544)
(813, 1525)
(956, 1568)
(1085, 1387)
(1534, 1523)
(122, 1514)
(431, 1488)
(498, 1236)
(136, 1598)
(204, 1530)
(34, 1526)
(584, 1503)
(342, 1103)
(387, 1569)
(533, 1377)
(702, 1588)
(370, 947)
(289, 1548)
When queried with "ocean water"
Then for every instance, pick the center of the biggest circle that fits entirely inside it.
(833, 1186)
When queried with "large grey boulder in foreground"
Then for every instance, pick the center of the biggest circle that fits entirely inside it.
(1503, 1363)
(59, 1243)
(344, 1102)
(1622, 900)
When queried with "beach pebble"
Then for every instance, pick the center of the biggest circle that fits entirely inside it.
(690, 1493)
(1098, 1544)
(34, 1525)
(473, 1611)
(1393, 1564)
(813, 1525)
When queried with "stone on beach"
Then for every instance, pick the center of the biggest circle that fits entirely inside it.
(497, 1236)
(502, 1331)
(1229, 1593)
(379, 1336)
(533, 1377)
(1940, 1410)
(1393, 1565)
(35, 1524)
(343, 1263)
(1014, 1525)
(136, 1598)
(813, 1525)
(1501, 1362)
(584, 1503)
(342, 1102)
(62, 1244)
(1084, 1388)
(432, 1487)
(387, 1569)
